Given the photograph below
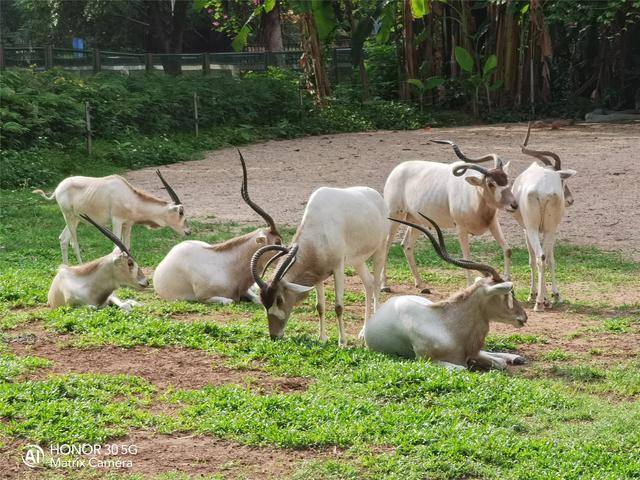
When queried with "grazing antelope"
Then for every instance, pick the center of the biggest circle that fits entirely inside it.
(339, 226)
(542, 195)
(220, 273)
(451, 332)
(465, 200)
(94, 283)
(113, 199)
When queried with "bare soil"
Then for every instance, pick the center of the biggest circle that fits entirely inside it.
(163, 367)
(192, 455)
(282, 174)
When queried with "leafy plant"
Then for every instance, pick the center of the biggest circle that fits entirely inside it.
(476, 80)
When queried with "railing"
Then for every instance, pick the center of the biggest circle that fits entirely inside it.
(94, 61)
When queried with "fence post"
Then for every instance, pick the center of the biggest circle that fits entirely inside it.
(148, 62)
(1, 55)
(195, 111)
(97, 65)
(335, 64)
(206, 63)
(87, 114)
(48, 57)
(266, 60)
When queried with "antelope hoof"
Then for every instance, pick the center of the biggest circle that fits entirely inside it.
(539, 307)
(425, 290)
(518, 360)
(342, 342)
(361, 334)
(126, 307)
(547, 303)
(323, 338)
(530, 297)
(500, 364)
(386, 289)
(556, 297)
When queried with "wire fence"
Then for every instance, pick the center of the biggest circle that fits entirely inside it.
(230, 63)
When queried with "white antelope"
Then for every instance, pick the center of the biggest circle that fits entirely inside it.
(220, 273)
(467, 200)
(113, 199)
(93, 283)
(451, 332)
(542, 195)
(339, 226)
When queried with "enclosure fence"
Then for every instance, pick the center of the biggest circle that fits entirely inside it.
(95, 60)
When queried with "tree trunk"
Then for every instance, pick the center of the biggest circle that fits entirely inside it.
(166, 31)
(271, 30)
(408, 50)
(312, 61)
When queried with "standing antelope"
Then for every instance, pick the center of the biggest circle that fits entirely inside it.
(542, 195)
(467, 200)
(195, 270)
(94, 283)
(451, 332)
(113, 199)
(339, 226)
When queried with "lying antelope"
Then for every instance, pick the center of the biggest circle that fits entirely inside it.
(113, 199)
(451, 332)
(199, 271)
(467, 200)
(94, 283)
(542, 194)
(339, 226)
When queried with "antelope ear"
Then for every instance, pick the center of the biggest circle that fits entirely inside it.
(294, 287)
(564, 174)
(499, 289)
(261, 239)
(473, 180)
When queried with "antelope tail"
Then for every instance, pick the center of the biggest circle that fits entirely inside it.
(44, 195)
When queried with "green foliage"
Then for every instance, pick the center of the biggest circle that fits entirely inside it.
(137, 120)
(464, 59)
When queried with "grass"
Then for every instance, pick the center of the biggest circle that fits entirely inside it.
(393, 418)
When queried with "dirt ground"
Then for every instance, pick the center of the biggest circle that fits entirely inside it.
(282, 174)
(181, 368)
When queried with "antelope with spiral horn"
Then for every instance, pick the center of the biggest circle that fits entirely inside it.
(542, 194)
(113, 199)
(198, 271)
(465, 196)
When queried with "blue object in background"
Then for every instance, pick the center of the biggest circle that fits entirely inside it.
(78, 44)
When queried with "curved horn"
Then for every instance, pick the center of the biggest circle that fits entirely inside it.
(108, 233)
(254, 262)
(460, 170)
(245, 196)
(540, 154)
(287, 263)
(491, 156)
(441, 250)
(170, 191)
(271, 260)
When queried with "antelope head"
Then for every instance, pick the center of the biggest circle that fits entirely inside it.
(174, 218)
(278, 296)
(546, 157)
(125, 269)
(494, 183)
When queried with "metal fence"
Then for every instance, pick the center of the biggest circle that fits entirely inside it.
(231, 63)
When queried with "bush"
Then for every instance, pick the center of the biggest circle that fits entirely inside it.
(148, 119)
